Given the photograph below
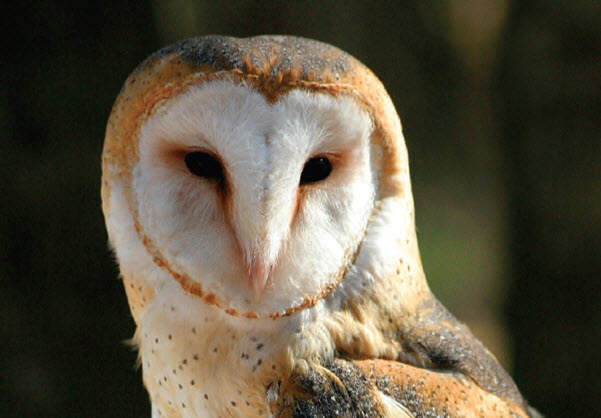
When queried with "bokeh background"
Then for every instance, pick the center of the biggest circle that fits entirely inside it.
(501, 107)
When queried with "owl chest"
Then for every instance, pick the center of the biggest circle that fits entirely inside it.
(206, 367)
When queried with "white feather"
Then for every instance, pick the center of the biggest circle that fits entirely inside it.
(263, 148)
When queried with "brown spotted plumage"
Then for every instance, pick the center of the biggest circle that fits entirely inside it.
(367, 339)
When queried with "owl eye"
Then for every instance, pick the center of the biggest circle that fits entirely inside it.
(204, 165)
(316, 169)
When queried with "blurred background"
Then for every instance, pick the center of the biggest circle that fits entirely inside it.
(501, 107)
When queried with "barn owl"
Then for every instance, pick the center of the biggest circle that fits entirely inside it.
(257, 196)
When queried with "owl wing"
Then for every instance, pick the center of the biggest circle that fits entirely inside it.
(337, 389)
(457, 376)
(433, 338)
(383, 388)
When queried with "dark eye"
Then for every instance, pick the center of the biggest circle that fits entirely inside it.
(316, 169)
(204, 165)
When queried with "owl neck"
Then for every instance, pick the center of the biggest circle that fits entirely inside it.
(196, 355)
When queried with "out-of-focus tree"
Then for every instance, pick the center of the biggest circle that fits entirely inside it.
(549, 92)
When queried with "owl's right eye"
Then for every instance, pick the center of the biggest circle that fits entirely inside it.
(203, 164)
(316, 169)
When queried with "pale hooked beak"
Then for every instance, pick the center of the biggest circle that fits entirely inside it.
(258, 275)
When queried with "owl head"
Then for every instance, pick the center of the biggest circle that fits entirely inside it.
(259, 175)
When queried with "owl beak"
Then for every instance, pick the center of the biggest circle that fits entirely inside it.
(258, 275)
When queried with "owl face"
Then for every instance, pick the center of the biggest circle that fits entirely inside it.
(260, 204)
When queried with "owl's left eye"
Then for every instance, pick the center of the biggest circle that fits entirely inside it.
(203, 164)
